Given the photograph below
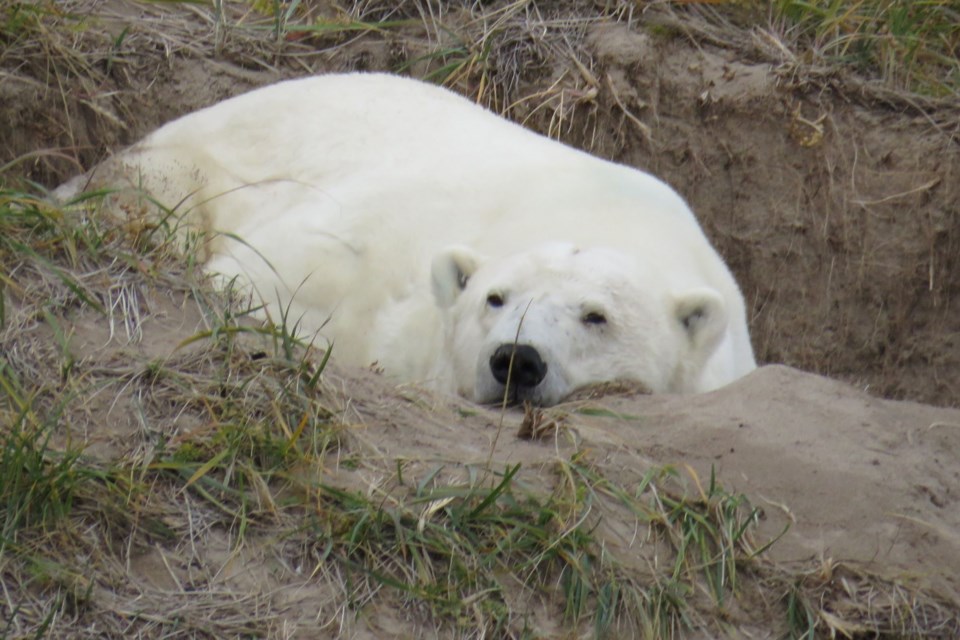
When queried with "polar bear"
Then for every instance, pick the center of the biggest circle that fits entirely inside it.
(414, 229)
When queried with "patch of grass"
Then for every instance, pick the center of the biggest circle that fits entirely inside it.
(835, 600)
(913, 44)
(20, 19)
(295, 21)
(263, 414)
(901, 46)
(62, 251)
(37, 481)
(708, 532)
(471, 552)
(801, 619)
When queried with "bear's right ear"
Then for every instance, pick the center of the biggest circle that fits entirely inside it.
(450, 271)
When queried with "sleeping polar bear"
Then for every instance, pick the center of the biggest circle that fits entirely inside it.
(417, 230)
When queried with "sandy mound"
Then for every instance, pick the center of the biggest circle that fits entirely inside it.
(853, 478)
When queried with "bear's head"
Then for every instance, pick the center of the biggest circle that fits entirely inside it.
(537, 325)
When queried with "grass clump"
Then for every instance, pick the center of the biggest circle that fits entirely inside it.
(262, 415)
(913, 45)
(479, 555)
(37, 482)
(20, 19)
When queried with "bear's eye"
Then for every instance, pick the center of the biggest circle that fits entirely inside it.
(594, 317)
(495, 300)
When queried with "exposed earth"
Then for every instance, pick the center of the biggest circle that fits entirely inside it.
(835, 201)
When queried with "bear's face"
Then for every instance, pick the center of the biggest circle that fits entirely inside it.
(538, 325)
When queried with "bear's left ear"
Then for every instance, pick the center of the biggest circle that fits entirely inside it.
(450, 271)
(702, 314)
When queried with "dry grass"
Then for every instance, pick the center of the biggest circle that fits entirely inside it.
(910, 45)
(69, 52)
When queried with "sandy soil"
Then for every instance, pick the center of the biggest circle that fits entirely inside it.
(858, 479)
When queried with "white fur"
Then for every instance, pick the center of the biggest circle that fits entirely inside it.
(383, 211)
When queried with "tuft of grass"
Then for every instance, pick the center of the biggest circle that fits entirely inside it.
(904, 47)
(801, 618)
(835, 600)
(37, 481)
(295, 21)
(21, 19)
(911, 44)
(708, 533)
(263, 414)
(460, 549)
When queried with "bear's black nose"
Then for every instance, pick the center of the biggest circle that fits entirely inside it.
(529, 369)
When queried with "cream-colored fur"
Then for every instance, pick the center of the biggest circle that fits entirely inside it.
(382, 211)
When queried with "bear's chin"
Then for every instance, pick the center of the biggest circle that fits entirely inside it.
(497, 394)
(538, 397)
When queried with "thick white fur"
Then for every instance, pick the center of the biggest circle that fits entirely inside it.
(388, 209)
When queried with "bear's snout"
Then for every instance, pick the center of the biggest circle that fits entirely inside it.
(529, 369)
